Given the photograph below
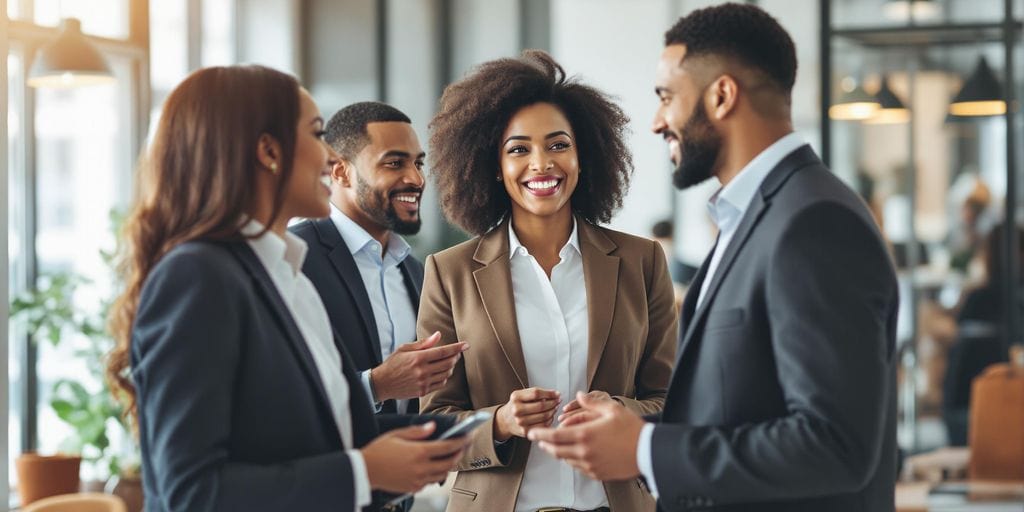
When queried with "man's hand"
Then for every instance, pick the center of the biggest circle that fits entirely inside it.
(415, 369)
(400, 461)
(603, 447)
(525, 409)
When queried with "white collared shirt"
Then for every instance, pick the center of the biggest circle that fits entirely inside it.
(727, 207)
(393, 309)
(552, 317)
(282, 258)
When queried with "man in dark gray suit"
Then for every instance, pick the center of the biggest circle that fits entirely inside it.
(783, 396)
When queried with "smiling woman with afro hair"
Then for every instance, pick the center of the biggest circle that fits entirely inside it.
(550, 303)
(466, 133)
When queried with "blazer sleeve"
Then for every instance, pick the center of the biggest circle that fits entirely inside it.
(187, 337)
(655, 366)
(453, 398)
(830, 295)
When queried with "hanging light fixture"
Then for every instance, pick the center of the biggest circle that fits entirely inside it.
(70, 60)
(892, 110)
(981, 95)
(855, 104)
(911, 9)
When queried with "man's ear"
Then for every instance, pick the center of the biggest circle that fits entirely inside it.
(724, 95)
(268, 153)
(341, 172)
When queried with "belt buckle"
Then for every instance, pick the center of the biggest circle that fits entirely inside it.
(397, 507)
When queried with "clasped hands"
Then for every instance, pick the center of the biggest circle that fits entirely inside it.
(595, 435)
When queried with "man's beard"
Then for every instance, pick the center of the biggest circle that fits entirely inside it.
(378, 207)
(699, 147)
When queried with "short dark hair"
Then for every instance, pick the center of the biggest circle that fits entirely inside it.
(466, 135)
(742, 32)
(346, 131)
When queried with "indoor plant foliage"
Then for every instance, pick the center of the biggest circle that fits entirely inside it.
(51, 314)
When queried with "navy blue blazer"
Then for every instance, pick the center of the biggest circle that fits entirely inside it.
(232, 412)
(783, 397)
(332, 269)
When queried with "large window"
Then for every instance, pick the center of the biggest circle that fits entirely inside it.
(70, 157)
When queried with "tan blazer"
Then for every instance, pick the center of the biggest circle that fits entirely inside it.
(467, 296)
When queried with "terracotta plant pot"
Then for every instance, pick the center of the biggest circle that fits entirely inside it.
(129, 489)
(40, 476)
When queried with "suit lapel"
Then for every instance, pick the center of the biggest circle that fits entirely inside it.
(759, 204)
(690, 302)
(494, 284)
(284, 319)
(341, 258)
(601, 275)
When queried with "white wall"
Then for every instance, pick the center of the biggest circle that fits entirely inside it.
(414, 87)
(615, 45)
(267, 34)
(340, 52)
(483, 30)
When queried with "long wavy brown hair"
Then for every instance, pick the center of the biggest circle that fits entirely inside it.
(196, 181)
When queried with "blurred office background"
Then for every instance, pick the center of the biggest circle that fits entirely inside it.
(915, 104)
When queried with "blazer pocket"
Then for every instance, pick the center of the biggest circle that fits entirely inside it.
(464, 494)
(724, 319)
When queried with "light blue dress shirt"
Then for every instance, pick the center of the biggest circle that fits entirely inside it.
(393, 309)
(727, 207)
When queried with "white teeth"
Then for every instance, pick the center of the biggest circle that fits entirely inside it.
(407, 199)
(326, 180)
(542, 185)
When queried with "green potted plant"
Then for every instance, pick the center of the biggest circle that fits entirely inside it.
(50, 315)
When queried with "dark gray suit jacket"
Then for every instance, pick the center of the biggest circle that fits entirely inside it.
(232, 412)
(783, 396)
(331, 268)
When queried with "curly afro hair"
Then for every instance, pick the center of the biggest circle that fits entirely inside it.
(465, 139)
(742, 32)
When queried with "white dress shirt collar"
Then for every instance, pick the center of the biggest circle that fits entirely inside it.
(357, 238)
(729, 204)
(272, 249)
(514, 244)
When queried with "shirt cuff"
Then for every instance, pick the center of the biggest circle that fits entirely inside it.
(360, 478)
(365, 377)
(645, 457)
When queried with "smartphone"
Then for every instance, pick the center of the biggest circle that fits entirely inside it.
(467, 425)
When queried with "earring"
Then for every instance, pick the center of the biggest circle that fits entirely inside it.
(499, 178)
(273, 167)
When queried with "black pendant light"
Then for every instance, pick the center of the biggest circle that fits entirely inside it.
(892, 110)
(854, 105)
(981, 95)
(70, 60)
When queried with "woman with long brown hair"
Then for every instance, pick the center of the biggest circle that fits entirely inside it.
(242, 397)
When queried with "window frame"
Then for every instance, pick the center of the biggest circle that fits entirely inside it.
(28, 38)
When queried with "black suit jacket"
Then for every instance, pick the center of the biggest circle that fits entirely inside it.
(231, 409)
(331, 267)
(783, 396)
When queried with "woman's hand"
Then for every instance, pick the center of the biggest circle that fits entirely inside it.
(573, 408)
(403, 461)
(525, 409)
